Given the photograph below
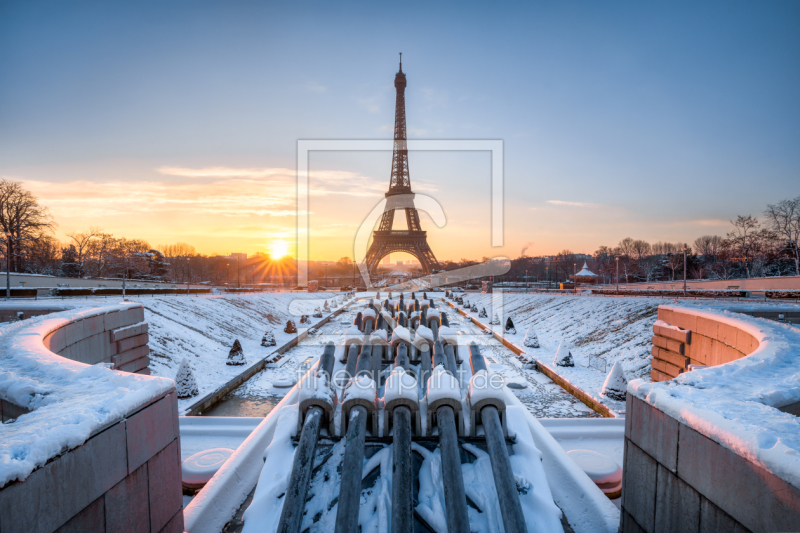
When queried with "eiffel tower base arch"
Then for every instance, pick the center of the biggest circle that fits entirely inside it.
(414, 243)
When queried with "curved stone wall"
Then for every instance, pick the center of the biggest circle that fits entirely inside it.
(91, 449)
(118, 337)
(718, 448)
(681, 338)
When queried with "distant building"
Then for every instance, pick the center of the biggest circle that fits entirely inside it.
(238, 255)
(399, 263)
(586, 276)
(387, 260)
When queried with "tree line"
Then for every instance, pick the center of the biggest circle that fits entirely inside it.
(31, 248)
(753, 247)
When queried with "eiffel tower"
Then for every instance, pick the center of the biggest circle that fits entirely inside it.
(385, 240)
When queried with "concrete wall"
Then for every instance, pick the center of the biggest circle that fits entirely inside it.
(701, 341)
(119, 338)
(31, 280)
(752, 284)
(127, 475)
(676, 479)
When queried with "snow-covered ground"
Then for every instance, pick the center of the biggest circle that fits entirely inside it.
(203, 329)
(257, 396)
(601, 331)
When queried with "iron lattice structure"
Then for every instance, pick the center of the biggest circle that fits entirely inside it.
(385, 240)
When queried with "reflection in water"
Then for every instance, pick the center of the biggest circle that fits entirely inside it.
(233, 405)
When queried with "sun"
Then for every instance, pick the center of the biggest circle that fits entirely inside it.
(279, 249)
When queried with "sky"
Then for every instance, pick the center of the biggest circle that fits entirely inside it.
(180, 121)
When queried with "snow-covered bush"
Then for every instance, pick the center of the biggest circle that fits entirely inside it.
(236, 355)
(495, 320)
(325, 307)
(510, 329)
(482, 314)
(563, 355)
(531, 340)
(290, 327)
(268, 339)
(615, 385)
(317, 313)
(303, 319)
(474, 308)
(185, 384)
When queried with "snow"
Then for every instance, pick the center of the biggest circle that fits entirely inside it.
(448, 335)
(353, 334)
(732, 404)
(484, 385)
(663, 324)
(442, 384)
(236, 355)
(585, 272)
(599, 467)
(264, 512)
(423, 335)
(400, 384)
(401, 334)
(615, 385)
(563, 356)
(70, 400)
(185, 384)
(431, 313)
(198, 469)
(316, 387)
(380, 336)
(531, 340)
(361, 388)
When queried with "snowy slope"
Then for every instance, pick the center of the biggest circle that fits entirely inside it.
(203, 329)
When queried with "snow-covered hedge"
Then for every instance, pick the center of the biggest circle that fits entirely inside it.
(783, 294)
(665, 293)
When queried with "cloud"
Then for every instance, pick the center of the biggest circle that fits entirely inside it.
(572, 204)
(703, 222)
(224, 172)
(370, 104)
(315, 87)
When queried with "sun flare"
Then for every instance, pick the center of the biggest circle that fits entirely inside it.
(279, 249)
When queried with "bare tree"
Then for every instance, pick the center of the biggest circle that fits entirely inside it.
(709, 247)
(744, 240)
(82, 242)
(783, 219)
(22, 219)
(625, 247)
(674, 256)
(565, 263)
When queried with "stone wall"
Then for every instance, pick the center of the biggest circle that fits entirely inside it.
(752, 284)
(127, 475)
(676, 479)
(694, 340)
(118, 337)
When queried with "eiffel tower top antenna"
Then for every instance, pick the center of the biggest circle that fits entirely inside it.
(401, 61)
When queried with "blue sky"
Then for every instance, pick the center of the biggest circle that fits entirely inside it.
(618, 119)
